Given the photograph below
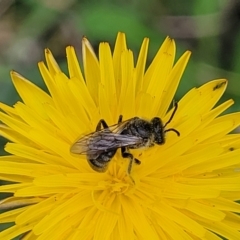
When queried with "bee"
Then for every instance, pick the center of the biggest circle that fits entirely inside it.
(101, 145)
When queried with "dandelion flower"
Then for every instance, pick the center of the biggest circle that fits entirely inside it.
(187, 188)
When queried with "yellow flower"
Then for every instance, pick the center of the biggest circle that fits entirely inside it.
(184, 189)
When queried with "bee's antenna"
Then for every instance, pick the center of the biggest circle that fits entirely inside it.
(173, 130)
(173, 113)
(170, 119)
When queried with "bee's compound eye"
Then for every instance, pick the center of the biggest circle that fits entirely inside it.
(158, 130)
(156, 123)
(160, 139)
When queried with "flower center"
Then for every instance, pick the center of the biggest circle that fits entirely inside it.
(117, 186)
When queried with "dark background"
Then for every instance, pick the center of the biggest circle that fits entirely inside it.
(210, 29)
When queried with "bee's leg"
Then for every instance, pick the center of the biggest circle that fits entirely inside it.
(138, 162)
(126, 154)
(103, 123)
(120, 119)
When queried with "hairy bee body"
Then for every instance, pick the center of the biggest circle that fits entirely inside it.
(101, 145)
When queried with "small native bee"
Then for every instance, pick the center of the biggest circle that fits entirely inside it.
(101, 145)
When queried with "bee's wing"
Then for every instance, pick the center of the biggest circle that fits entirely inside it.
(117, 128)
(101, 141)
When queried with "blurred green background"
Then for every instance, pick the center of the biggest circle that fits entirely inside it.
(210, 29)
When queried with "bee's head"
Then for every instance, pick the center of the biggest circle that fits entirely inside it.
(158, 131)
